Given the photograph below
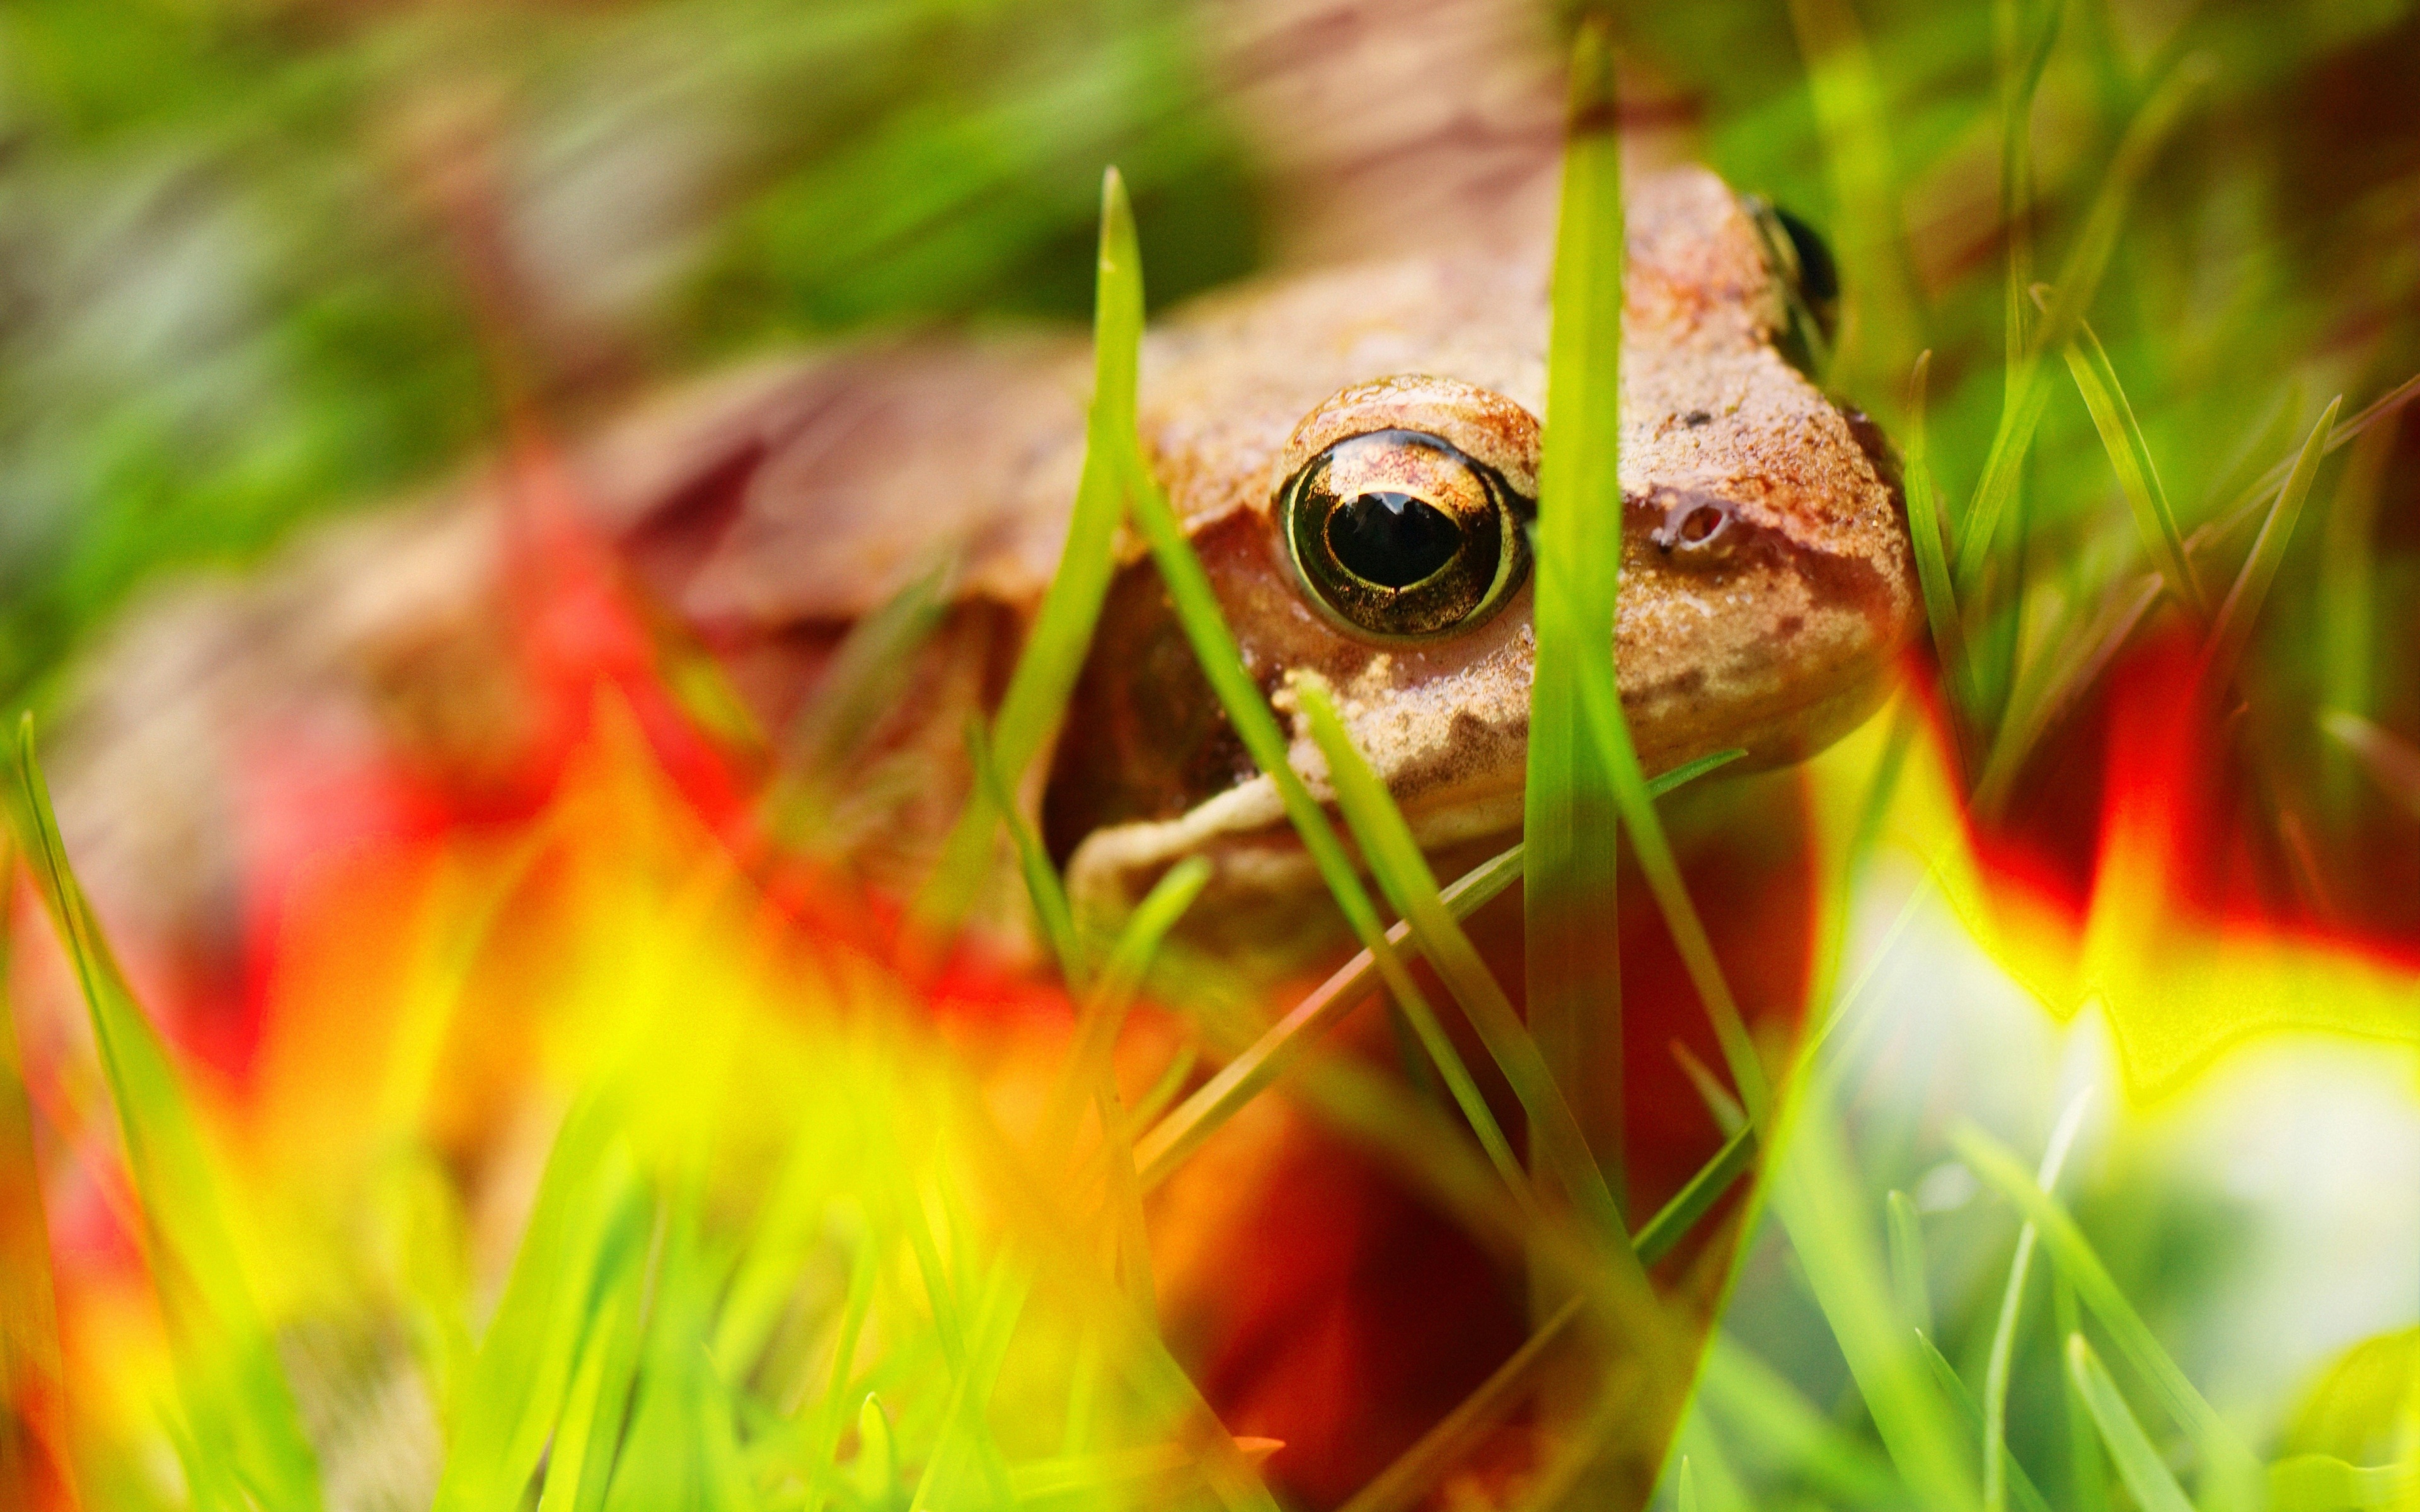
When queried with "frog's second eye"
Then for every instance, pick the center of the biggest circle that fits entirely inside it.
(1402, 536)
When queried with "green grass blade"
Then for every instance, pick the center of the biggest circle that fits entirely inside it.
(2221, 1450)
(1573, 953)
(2020, 1484)
(567, 1458)
(1418, 1470)
(2079, 280)
(2344, 649)
(1720, 1106)
(1042, 884)
(2226, 520)
(1685, 1493)
(32, 1380)
(1907, 1264)
(1063, 627)
(1168, 1144)
(1880, 321)
(2003, 1332)
(1165, 1148)
(2054, 682)
(2232, 630)
(2139, 1464)
(1602, 708)
(2130, 458)
(1402, 871)
(875, 1472)
(832, 1409)
(2323, 1482)
(1831, 1226)
(2086, 1477)
(590, 1218)
(1926, 527)
(247, 1434)
(2021, 68)
(2392, 762)
(1769, 1410)
(1674, 1221)
(1113, 992)
(862, 682)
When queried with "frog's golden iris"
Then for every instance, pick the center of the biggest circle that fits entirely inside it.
(1401, 536)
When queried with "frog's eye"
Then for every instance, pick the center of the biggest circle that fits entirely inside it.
(1810, 281)
(1402, 536)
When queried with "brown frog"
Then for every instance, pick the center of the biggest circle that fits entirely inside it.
(1354, 453)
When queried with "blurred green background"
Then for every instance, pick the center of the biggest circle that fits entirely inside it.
(261, 258)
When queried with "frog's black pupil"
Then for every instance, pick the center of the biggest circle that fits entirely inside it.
(1392, 539)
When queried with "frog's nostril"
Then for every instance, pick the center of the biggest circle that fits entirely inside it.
(1697, 526)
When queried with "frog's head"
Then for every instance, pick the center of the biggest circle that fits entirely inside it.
(1372, 532)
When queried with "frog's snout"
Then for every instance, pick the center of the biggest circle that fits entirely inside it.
(1696, 530)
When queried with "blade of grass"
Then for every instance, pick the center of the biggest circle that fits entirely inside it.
(32, 1383)
(1907, 1266)
(862, 682)
(1720, 1106)
(2020, 67)
(2020, 1484)
(1404, 873)
(2054, 682)
(2086, 1479)
(2139, 1464)
(1418, 1470)
(831, 1408)
(1827, 1221)
(1572, 961)
(1054, 648)
(2221, 1450)
(237, 1408)
(2232, 630)
(2323, 1482)
(589, 1217)
(1771, 1412)
(2392, 762)
(2130, 458)
(567, 1455)
(2238, 511)
(1113, 992)
(1674, 1221)
(1042, 884)
(1925, 527)
(2347, 602)
(2004, 1333)
(1603, 711)
(1165, 1148)
(2079, 280)
(1881, 320)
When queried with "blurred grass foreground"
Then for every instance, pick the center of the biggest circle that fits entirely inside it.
(575, 1129)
